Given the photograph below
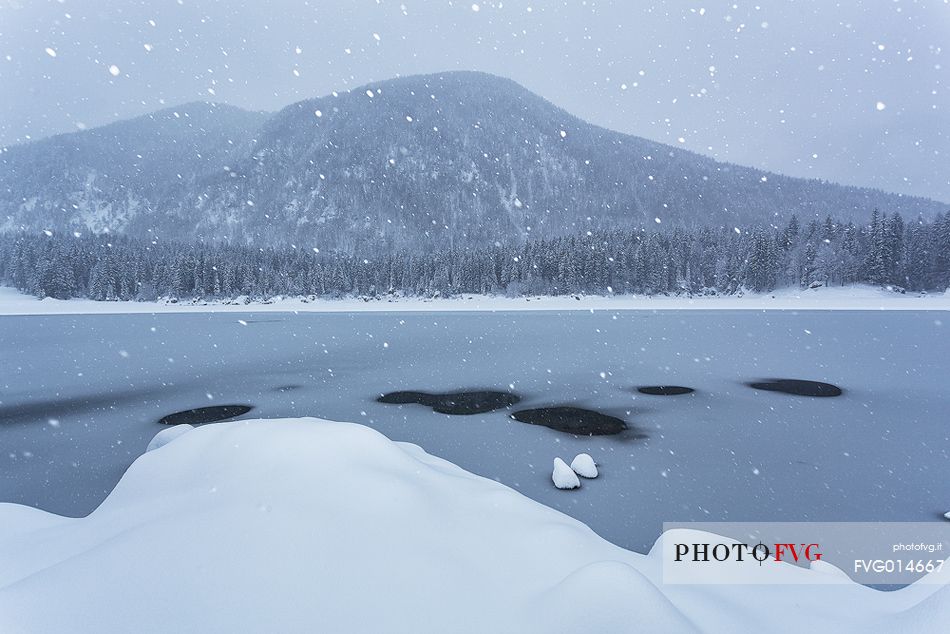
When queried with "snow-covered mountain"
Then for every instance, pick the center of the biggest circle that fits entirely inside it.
(426, 161)
(122, 176)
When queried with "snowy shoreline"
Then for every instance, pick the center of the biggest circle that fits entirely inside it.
(350, 531)
(12, 302)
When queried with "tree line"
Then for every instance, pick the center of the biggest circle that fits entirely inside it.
(887, 251)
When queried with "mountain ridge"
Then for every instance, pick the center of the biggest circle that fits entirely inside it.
(424, 161)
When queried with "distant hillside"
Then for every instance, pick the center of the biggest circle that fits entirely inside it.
(121, 176)
(428, 161)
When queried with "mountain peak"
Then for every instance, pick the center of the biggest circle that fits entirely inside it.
(423, 161)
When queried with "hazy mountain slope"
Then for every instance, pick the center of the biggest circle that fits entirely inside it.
(420, 161)
(107, 177)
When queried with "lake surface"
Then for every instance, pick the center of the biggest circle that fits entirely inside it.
(81, 396)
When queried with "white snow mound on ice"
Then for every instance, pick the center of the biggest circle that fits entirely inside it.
(584, 466)
(165, 436)
(306, 525)
(563, 476)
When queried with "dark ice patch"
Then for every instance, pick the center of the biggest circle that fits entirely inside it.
(44, 409)
(665, 390)
(798, 387)
(572, 420)
(201, 415)
(456, 403)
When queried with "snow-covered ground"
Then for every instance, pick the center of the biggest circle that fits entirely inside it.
(833, 298)
(309, 525)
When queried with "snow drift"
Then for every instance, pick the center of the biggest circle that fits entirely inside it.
(165, 436)
(301, 525)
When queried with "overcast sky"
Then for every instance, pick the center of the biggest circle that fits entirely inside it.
(854, 92)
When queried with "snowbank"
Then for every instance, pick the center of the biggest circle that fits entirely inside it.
(836, 298)
(165, 436)
(307, 525)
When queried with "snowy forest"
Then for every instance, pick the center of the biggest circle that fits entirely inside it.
(887, 251)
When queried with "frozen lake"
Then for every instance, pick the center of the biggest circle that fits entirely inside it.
(80, 397)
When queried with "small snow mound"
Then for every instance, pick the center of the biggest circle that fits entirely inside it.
(584, 466)
(563, 476)
(165, 436)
